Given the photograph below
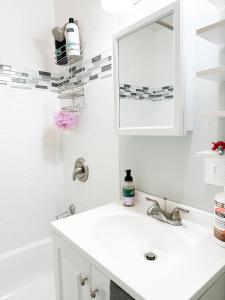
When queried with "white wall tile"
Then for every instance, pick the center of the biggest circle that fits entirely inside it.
(31, 188)
(27, 42)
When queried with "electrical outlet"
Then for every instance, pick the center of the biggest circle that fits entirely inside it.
(215, 171)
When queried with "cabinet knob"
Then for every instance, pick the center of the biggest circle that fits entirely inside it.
(93, 293)
(83, 280)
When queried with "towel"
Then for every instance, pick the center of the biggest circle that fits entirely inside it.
(116, 293)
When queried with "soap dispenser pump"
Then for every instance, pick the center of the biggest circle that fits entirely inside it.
(128, 190)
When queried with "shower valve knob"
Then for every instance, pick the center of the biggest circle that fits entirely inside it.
(81, 170)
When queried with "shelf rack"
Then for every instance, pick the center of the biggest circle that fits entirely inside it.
(213, 114)
(70, 92)
(210, 154)
(214, 74)
(75, 95)
(214, 33)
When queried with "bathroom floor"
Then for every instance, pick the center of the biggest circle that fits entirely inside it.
(38, 289)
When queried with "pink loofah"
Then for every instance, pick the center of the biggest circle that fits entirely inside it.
(66, 120)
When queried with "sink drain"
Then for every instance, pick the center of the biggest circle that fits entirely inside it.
(150, 256)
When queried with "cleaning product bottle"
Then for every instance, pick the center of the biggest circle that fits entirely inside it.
(60, 51)
(60, 45)
(128, 190)
(72, 39)
(219, 210)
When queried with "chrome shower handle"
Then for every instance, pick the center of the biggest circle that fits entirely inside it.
(76, 172)
(81, 170)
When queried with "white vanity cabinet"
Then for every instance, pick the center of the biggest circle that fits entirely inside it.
(76, 278)
(87, 255)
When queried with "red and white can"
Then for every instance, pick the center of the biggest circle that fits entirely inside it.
(219, 211)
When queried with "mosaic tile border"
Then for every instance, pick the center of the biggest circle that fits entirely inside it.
(76, 75)
(85, 71)
(12, 77)
(128, 91)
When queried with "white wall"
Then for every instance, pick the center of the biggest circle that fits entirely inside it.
(26, 38)
(94, 139)
(168, 166)
(31, 188)
(165, 166)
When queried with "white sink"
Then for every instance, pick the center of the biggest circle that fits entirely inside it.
(131, 236)
(116, 239)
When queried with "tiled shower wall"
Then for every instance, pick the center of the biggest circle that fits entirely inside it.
(94, 139)
(31, 183)
(14, 77)
(26, 38)
(31, 189)
(31, 172)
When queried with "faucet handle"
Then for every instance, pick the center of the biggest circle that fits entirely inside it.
(176, 213)
(154, 202)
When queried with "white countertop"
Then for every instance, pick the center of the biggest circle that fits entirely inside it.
(184, 278)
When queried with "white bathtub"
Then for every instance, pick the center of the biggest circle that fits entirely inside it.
(27, 273)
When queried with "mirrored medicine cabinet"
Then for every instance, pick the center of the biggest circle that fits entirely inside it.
(153, 74)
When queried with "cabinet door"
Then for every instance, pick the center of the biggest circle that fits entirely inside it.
(100, 283)
(216, 291)
(70, 285)
(71, 273)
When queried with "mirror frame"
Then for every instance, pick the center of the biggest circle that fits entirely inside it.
(179, 95)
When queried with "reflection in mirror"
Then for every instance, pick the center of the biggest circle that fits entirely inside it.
(146, 76)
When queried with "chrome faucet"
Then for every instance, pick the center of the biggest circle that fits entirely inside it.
(173, 218)
(70, 212)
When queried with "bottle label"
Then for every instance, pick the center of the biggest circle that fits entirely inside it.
(219, 234)
(70, 30)
(128, 193)
(219, 230)
(128, 201)
(128, 197)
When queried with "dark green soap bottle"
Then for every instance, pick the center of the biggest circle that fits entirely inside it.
(128, 190)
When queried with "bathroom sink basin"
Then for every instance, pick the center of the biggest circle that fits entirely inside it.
(183, 259)
(138, 234)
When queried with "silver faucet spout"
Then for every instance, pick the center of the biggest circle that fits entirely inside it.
(173, 218)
